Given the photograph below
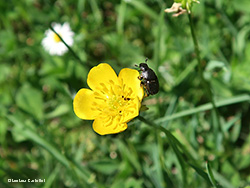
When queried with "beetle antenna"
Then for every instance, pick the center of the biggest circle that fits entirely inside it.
(136, 65)
(146, 60)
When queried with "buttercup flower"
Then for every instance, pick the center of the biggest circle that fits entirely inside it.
(111, 101)
(53, 44)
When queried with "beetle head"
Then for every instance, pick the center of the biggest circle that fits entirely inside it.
(143, 66)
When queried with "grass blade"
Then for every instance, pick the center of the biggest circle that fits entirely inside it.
(33, 136)
(208, 106)
(211, 176)
(143, 8)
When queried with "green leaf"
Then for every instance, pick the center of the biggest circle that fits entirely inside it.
(129, 154)
(3, 130)
(96, 11)
(217, 67)
(121, 18)
(175, 144)
(132, 182)
(211, 176)
(222, 180)
(52, 176)
(58, 111)
(141, 6)
(104, 166)
(236, 131)
(30, 134)
(242, 6)
(5, 71)
(30, 100)
(201, 173)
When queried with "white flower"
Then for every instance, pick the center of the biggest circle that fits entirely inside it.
(53, 44)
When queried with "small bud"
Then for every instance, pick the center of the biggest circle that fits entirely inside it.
(176, 8)
(181, 6)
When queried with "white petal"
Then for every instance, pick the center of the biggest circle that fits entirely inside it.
(55, 47)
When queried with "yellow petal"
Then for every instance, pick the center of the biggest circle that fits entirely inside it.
(84, 104)
(102, 127)
(132, 110)
(101, 74)
(129, 77)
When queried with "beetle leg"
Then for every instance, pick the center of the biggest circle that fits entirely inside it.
(146, 94)
(143, 83)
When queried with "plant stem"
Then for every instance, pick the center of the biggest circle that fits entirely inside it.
(70, 49)
(205, 84)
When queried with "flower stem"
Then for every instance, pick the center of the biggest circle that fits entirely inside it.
(205, 84)
(70, 49)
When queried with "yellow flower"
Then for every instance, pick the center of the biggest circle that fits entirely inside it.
(111, 101)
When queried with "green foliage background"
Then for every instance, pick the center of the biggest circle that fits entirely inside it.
(176, 143)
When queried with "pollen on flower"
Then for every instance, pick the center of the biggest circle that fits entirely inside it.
(112, 102)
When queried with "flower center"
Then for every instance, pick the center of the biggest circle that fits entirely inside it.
(56, 38)
(113, 100)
